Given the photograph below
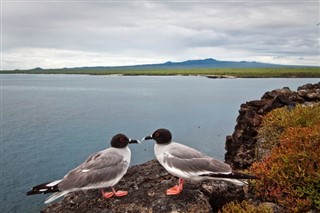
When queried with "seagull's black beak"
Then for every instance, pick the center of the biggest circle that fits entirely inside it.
(134, 141)
(147, 138)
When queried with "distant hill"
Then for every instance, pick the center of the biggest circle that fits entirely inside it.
(190, 64)
(206, 67)
(212, 63)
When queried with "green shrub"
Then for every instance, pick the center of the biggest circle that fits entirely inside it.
(244, 207)
(290, 174)
(275, 122)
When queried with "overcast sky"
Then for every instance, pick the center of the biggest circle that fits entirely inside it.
(57, 34)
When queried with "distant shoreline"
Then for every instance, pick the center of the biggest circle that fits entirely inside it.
(214, 73)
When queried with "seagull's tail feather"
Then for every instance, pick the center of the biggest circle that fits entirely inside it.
(55, 196)
(240, 175)
(235, 181)
(231, 177)
(45, 188)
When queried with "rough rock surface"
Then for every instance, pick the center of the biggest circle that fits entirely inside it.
(147, 184)
(241, 144)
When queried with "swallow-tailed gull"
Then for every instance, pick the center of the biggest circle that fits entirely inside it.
(101, 170)
(189, 164)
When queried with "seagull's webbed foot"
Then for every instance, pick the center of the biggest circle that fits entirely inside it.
(107, 194)
(121, 193)
(176, 189)
(113, 193)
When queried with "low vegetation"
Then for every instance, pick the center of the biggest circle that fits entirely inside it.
(275, 123)
(244, 207)
(301, 72)
(290, 173)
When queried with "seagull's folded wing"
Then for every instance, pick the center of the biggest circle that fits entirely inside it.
(99, 170)
(190, 160)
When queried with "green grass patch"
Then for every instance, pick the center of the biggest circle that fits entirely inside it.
(299, 72)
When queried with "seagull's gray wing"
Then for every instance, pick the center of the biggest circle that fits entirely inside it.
(100, 167)
(190, 160)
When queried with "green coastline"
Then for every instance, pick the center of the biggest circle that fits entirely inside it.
(287, 72)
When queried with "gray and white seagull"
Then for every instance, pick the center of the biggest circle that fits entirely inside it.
(101, 170)
(189, 164)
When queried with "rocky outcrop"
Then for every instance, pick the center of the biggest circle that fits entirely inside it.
(147, 184)
(241, 145)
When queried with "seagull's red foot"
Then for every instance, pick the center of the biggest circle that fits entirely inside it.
(107, 194)
(121, 193)
(174, 190)
(110, 194)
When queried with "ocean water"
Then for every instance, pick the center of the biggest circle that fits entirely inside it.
(52, 123)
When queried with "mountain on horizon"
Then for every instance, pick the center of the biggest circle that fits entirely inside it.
(213, 63)
(191, 64)
(208, 63)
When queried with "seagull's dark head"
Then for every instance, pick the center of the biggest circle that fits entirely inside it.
(120, 141)
(161, 136)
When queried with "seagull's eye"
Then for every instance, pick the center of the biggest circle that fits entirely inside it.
(156, 134)
(122, 139)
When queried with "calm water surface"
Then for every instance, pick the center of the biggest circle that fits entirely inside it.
(51, 123)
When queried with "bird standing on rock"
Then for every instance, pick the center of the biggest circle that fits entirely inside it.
(101, 170)
(189, 164)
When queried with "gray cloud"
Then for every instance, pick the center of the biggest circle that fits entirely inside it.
(69, 33)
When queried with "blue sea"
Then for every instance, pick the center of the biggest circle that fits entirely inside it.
(52, 123)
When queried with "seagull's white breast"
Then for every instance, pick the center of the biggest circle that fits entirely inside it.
(162, 152)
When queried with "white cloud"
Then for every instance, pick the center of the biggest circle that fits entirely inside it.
(65, 33)
(59, 58)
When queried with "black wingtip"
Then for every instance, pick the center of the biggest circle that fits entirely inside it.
(32, 192)
(43, 189)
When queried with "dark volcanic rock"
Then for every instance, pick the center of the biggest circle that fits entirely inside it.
(310, 92)
(241, 144)
(147, 184)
